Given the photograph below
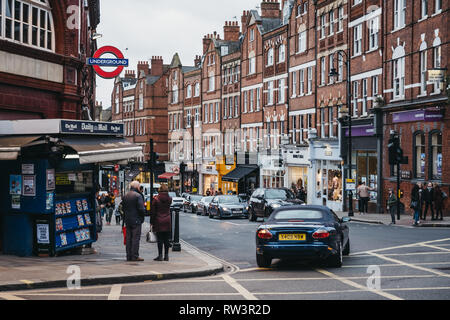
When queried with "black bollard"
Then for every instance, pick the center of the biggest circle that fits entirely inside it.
(176, 237)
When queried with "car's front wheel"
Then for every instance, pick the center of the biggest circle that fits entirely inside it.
(263, 261)
(346, 251)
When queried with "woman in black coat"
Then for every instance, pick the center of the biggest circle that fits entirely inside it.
(415, 203)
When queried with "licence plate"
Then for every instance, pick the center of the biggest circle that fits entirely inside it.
(292, 237)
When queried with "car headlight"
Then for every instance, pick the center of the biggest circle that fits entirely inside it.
(276, 205)
(225, 209)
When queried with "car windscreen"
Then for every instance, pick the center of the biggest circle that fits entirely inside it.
(279, 194)
(303, 214)
(195, 198)
(229, 200)
(207, 199)
(172, 194)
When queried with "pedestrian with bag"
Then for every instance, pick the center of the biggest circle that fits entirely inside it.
(415, 203)
(161, 221)
(428, 198)
(363, 192)
(392, 205)
(438, 202)
(134, 214)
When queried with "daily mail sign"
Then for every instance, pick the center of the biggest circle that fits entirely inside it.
(86, 127)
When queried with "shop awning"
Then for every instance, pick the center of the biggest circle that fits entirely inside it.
(239, 173)
(98, 150)
(167, 175)
(10, 146)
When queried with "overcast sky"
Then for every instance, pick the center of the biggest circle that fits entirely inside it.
(162, 28)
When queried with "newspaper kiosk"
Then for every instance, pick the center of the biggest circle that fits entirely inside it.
(48, 182)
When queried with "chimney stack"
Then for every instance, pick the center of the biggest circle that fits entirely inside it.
(231, 31)
(129, 74)
(197, 61)
(270, 9)
(244, 21)
(157, 66)
(142, 67)
(206, 42)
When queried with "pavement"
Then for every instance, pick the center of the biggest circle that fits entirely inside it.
(106, 265)
(405, 219)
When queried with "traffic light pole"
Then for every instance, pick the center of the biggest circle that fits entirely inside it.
(152, 163)
(398, 191)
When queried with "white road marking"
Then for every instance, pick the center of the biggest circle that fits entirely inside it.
(436, 247)
(410, 265)
(244, 292)
(8, 296)
(358, 286)
(114, 294)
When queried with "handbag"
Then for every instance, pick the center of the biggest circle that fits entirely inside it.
(124, 231)
(151, 236)
(413, 204)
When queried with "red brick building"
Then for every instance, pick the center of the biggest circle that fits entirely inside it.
(43, 51)
(415, 105)
(139, 101)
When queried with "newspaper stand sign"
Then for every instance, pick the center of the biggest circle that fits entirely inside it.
(97, 62)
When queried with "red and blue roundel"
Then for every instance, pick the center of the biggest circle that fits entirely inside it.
(97, 62)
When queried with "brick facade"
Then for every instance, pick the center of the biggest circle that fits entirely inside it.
(57, 82)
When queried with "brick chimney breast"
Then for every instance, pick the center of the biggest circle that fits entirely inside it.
(231, 31)
(270, 9)
(157, 66)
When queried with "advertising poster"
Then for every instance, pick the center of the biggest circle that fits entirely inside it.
(51, 183)
(15, 201)
(43, 233)
(15, 184)
(27, 168)
(29, 185)
(49, 201)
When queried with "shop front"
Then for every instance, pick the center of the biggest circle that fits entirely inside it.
(171, 177)
(297, 164)
(325, 174)
(273, 171)
(49, 177)
(209, 178)
(225, 165)
(365, 160)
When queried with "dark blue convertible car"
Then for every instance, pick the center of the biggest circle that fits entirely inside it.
(304, 233)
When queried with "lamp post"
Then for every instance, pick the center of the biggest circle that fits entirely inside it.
(334, 73)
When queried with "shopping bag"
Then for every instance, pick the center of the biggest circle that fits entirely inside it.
(151, 236)
(124, 231)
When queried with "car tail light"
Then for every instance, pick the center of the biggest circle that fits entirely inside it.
(264, 234)
(321, 234)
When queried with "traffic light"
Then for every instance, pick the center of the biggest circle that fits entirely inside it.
(154, 159)
(183, 167)
(395, 152)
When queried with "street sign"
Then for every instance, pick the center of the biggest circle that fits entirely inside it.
(350, 184)
(436, 75)
(97, 62)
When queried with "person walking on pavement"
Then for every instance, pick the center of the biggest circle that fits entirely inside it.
(438, 202)
(134, 213)
(428, 197)
(363, 192)
(392, 205)
(415, 203)
(161, 221)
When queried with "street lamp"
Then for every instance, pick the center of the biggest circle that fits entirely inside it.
(334, 73)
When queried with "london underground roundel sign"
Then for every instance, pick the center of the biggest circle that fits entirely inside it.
(97, 62)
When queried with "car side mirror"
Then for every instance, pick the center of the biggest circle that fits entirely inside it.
(346, 219)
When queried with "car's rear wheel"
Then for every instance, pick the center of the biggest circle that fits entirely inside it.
(335, 260)
(263, 261)
(346, 251)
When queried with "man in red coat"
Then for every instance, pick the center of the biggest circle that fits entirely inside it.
(161, 221)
